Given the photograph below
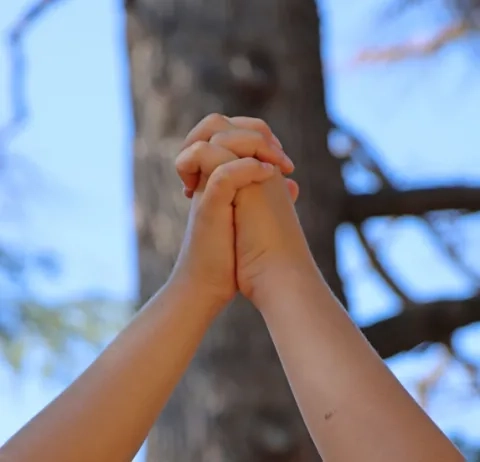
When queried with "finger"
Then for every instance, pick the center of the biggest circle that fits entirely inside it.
(293, 189)
(200, 157)
(215, 123)
(292, 186)
(204, 157)
(259, 125)
(188, 193)
(251, 143)
(227, 179)
(206, 128)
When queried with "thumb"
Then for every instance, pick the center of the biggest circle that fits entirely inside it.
(227, 179)
(293, 189)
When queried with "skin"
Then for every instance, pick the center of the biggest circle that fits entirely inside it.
(353, 406)
(243, 234)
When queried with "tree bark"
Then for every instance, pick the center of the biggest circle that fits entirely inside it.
(413, 202)
(189, 58)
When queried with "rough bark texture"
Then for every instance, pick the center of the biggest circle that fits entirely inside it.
(238, 57)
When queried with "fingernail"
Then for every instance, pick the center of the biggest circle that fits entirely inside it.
(267, 166)
(277, 141)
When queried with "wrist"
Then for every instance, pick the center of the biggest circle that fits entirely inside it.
(203, 300)
(287, 282)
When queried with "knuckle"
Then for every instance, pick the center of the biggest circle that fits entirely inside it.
(261, 142)
(222, 176)
(257, 135)
(214, 118)
(198, 148)
(218, 137)
(253, 140)
(261, 125)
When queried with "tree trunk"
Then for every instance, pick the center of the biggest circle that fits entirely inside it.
(259, 58)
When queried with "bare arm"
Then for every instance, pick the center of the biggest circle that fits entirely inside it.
(353, 405)
(106, 414)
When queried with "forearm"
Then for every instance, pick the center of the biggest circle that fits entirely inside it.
(106, 414)
(354, 407)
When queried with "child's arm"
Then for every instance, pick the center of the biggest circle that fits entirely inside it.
(107, 412)
(353, 405)
(105, 415)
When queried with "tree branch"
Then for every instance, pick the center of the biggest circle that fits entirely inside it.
(416, 202)
(431, 322)
(18, 67)
(364, 153)
(379, 267)
(417, 47)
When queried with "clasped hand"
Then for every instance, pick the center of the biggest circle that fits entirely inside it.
(243, 233)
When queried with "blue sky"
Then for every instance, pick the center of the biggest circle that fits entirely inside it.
(420, 115)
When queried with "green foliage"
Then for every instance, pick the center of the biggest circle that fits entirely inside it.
(49, 331)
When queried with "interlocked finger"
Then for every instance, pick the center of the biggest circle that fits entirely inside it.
(227, 179)
(200, 158)
(214, 124)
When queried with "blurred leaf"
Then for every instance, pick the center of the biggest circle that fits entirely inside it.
(48, 369)
(27, 325)
(54, 330)
(14, 353)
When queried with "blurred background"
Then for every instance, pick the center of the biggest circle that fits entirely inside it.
(401, 80)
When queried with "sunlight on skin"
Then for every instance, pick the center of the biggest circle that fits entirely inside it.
(103, 89)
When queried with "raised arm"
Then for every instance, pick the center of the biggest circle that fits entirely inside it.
(105, 415)
(107, 412)
(354, 407)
